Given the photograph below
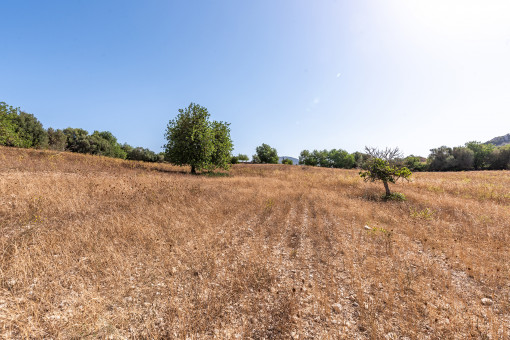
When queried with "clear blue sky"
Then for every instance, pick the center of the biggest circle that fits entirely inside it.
(294, 74)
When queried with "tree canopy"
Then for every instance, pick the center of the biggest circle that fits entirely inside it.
(265, 154)
(195, 141)
(381, 167)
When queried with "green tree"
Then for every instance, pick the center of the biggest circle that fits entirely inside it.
(441, 159)
(31, 131)
(8, 126)
(360, 159)
(501, 158)
(223, 145)
(57, 140)
(193, 140)
(20, 129)
(140, 154)
(287, 161)
(382, 167)
(341, 159)
(322, 157)
(104, 143)
(482, 154)
(266, 154)
(463, 158)
(414, 163)
(307, 158)
(243, 158)
(77, 140)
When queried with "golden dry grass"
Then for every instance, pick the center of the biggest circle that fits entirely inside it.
(93, 247)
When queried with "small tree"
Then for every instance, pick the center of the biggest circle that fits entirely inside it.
(287, 161)
(266, 154)
(243, 158)
(381, 167)
(193, 140)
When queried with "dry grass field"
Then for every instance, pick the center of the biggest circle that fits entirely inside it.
(92, 247)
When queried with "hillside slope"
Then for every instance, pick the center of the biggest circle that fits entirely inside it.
(499, 141)
(95, 248)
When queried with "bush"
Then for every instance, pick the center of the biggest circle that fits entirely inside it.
(394, 196)
(287, 161)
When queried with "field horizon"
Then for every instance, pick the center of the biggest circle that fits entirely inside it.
(95, 247)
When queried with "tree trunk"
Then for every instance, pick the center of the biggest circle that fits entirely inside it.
(388, 193)
(193, 170)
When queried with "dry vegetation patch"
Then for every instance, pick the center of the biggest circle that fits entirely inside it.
(96, 247)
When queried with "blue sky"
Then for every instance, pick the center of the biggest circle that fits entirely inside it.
(294, 74)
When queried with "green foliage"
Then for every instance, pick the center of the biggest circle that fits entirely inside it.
(463, 158)
(482, 154)
(341, 159)
(360, 159)
(501, 158)
(328, 159)
(77, 140)
(287, 161)
(425, 214)
(243, 157)
(414, 163)
(234, 160)
(223, 145)
(8, 126)
(377, 169)
(472, 156)
(20, 129)
(307, 158)
(101, 143)
(140, 154)
(395, 196)
(266, 154)
(193, 140)
(322, 158)
(441, 159)
(57, 140)
(31, 131)
(104, 143)
(255, 159)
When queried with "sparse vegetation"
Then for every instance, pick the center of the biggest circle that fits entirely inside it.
(95, 247)
(382, 167)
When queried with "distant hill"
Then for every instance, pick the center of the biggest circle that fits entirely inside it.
(499, 141)
(295, 161)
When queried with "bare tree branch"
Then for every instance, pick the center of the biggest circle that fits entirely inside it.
(388, 154)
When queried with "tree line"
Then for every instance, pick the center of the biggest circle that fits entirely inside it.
(24, 130)
(471, 156)
(194, 140)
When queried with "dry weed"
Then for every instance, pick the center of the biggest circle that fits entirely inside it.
(93, 247)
